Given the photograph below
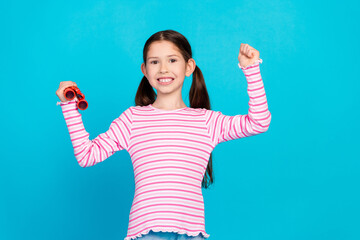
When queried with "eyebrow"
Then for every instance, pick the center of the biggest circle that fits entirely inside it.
(167, 55)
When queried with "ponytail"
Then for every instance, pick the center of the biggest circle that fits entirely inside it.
(199, 98)
(145, 94)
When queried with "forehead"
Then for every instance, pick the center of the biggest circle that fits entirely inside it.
(161, 48)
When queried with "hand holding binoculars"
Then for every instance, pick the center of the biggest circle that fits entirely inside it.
(71, 92)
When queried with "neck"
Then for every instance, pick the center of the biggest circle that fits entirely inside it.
(169, 102)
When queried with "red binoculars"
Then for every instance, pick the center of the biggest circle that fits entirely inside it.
(71, 92)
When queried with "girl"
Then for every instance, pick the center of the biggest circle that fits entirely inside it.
(169, 143)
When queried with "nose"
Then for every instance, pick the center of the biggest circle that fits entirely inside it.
(163, 68)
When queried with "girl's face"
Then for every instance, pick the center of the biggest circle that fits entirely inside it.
(164, 60)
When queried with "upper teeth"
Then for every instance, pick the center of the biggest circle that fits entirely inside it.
(165, 79)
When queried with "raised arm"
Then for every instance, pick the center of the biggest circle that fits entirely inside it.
(224, 128)
(90, 152)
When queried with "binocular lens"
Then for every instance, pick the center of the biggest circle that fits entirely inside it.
(69, 95)
(82, 105)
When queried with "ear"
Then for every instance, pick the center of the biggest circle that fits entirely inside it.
(190, 67)
(143, 69)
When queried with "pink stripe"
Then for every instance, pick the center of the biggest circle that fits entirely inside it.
(251, 90)
(103, 148)
(122, 134)
(72, 117)
(131, 112)
(252, 82)
(175, 153)
(100, 148)
(168, 204)
(175, 167)
(124, 125)
(110, 141)
(245, 128)
(86, 136)
(161, 139)
(254, 122)
(252, 74)
(166, 114)
(266, 110)
(87, 153)
(80, 130)
(167, 119)
(166, 189)
(257, 96)
(174, 219)
(70, 125)
(167, 161)
(126, 117)
(256, 131)
(260, 104)
(237, 136)
(215, 125)
(160, 132)
(65, 111)
(108, 144)
(262, 119)
(159, 175)
(257, 124)
(168, 126)
(229, 134)
(87, 160)
(172, 212)
(167, 145)
(77, 154)
(209, 117)
(115, 136)
(181, 183)
(222, 126)
(241, 126)
(160, 197)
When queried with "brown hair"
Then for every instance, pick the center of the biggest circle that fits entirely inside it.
(198, 94)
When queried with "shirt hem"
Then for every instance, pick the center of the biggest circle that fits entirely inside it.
(143, 233)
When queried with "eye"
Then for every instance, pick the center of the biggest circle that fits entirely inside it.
(153, 61)
(173, 59)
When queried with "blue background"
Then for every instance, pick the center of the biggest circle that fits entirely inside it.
(299, 180)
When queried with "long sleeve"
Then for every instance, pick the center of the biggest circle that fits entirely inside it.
(224, 128)
(90, 152)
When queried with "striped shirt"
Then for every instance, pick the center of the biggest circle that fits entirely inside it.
(169, 150)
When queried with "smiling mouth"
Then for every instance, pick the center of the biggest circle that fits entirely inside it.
(165, 80)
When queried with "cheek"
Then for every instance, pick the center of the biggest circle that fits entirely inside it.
(180, 73)
(151, 71)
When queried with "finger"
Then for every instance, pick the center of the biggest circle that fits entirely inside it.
(243, 48)
(252, 53)
(247, 51)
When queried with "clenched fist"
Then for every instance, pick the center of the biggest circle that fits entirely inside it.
(247, 55)
(62, 87)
